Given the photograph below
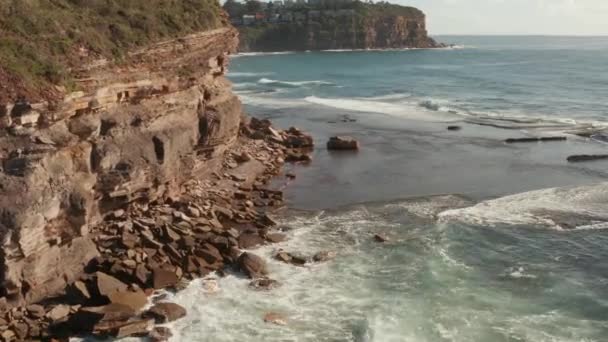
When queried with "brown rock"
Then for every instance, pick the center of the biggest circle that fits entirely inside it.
(275, 318)
(21, 330)
(107, 284)
(165, 312)
(208, 252)
(142, 274)
(58, 313)
(252, 265)
(36, 311)
(342, 143)
(250, 240)
(8, 335)
(135, 300)
(135, 328)
(160, 334)
(162, 278)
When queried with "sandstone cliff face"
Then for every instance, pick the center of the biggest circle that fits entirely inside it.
(137, 131)
(349, 32)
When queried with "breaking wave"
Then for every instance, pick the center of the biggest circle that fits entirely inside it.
(398, 109)
(294, 83)
(584, 207)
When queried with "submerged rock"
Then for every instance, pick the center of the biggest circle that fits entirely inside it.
(586, 157)
(165, 312)
(275, 318)
(342, 143)
(324, 256)
(264, 284)
(252, 265)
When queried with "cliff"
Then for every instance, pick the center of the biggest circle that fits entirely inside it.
(134, 170)
(365, 26)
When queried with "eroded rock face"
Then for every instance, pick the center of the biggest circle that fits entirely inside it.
(134, 132)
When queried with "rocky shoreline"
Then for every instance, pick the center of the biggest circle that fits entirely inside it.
(148, 246)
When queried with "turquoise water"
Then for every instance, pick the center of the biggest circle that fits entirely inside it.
(488, 241)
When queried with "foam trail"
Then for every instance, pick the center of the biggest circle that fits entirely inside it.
(584, 207)
(294, 83)
(388, 108)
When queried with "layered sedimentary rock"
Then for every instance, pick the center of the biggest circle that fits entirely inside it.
(136, 131)
(336, 30)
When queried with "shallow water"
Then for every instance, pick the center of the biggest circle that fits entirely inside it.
(518, 253)
(431, 282)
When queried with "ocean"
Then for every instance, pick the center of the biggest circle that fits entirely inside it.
(488, 241)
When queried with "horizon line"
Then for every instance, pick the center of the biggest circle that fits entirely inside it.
(521, 35)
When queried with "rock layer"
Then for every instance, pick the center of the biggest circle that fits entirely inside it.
(136, 132)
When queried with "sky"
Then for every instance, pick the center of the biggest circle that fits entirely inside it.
(518, 17)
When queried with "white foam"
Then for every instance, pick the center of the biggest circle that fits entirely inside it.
(269, 101)
(293, 83)
(403, 110)
(536, 208)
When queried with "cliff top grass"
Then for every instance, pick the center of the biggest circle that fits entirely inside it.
(40, 40)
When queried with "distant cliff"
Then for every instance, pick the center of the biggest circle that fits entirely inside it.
(365, 26)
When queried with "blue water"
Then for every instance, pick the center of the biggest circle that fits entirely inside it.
(532, 77)
(489, 242)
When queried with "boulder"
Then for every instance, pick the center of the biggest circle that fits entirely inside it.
(162, 278)
(107, 284)
(58, 313)
(165, 312)
(250, 240)
(135, 300)
(342, 143)
(252, 265)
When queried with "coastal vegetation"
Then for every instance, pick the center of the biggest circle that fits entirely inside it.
(41, 40)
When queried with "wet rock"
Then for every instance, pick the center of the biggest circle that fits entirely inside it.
(275, 318)
(290, 258)
(342, 143)
(324, 256)
(380, 238)
(264, 284)
(160, 334)
(165, 312)
(297, 157)
(276, 237)
(162, 278)
(252, 265)
(107, 284)
(454, 128)
(534, 139)
(135, 300)
(586, 157)
(250, 240)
